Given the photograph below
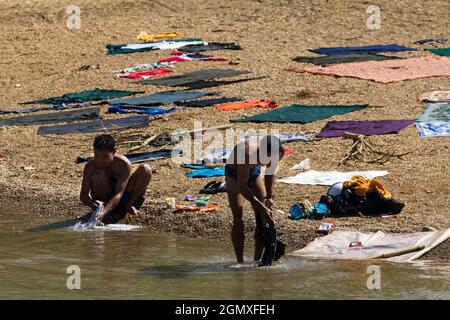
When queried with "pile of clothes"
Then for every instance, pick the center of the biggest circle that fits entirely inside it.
(359, 195)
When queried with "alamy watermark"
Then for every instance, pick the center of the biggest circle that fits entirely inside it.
(374, 20)
(74, 19)
(74, 280)
(374, 279)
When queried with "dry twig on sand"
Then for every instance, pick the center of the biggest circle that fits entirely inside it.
(363, 149)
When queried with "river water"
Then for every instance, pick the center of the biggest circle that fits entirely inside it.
(36, 252)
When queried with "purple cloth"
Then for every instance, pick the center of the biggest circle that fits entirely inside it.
(368, 128)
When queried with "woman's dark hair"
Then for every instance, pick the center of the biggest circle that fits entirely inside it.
(105, 142)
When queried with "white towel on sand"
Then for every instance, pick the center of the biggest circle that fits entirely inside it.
(327, 178)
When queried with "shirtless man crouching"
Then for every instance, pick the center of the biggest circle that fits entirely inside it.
(107, 178)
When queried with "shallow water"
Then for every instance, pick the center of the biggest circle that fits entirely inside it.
(35, 253)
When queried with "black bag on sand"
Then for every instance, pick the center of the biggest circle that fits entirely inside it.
(274, 248)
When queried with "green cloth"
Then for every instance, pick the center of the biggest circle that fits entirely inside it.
(54, 117)
(301, 114)
(441, 51)
(85, 96)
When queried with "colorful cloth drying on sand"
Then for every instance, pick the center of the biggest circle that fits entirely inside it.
(301, 114)
(141, 47)
(146, 74)
(207, 172)
(367, 128)
(441, 51)
(85, 96)
(97, 125)
(327, 178)
(363, 186)
(436, 96)
(184, 79)
(387, 71)
(183, 57)
(344, 58)
(54, 117)
(362, 49)
(209, 46)
(123, 109)
(56, 107)
(163, 98)
(143, 67)
(144, 36)
(231, 106)
(435, 120)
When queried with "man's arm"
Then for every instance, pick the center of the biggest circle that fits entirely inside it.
(85, 198)
(121, 185)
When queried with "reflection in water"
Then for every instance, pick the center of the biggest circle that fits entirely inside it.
(36, 251)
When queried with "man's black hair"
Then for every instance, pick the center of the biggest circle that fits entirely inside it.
(273, 144)
(105, 142)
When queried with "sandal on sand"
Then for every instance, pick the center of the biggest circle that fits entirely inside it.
(214, 187)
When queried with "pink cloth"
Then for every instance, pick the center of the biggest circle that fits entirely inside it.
(146, 74)
(181, 57)
(387, 71)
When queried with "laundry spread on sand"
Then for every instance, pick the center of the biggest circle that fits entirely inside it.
(141, 47)
(362, 49)
(435, 120)
(183, 57)
(441, 51)
(86, 96)
(124, 109)
(436, 96)
(163, 98)
(202, 84)
(232, 106)
(344, 58)
(431, 41)
(183, 79)
(206, 102)
(143, 156)
(54, 117)
(97, 125)
(364, 127)
(146, 74)
(209, 46)
(143, 67)
(327, 178)
(219, 155)
(355, 245)
(56, 107)
(207, 172)
(301, 114)
(144, 36)
(386, 71)
(305, 136)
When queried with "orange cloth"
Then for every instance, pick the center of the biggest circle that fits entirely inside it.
(230, 106)
(362, 186)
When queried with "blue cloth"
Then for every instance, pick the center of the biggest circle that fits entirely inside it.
(209, 172)
(254, 174)
(362, 49)
(119, 108)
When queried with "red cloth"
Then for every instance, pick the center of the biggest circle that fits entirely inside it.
(147, 74)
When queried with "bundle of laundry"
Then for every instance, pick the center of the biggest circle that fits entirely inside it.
(359, 195)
